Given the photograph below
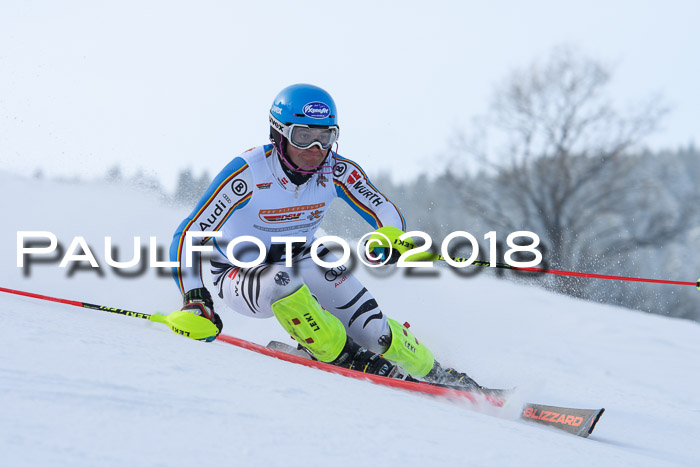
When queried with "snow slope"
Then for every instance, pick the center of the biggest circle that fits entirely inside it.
(82, 387)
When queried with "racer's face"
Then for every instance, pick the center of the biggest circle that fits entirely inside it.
(307, 158)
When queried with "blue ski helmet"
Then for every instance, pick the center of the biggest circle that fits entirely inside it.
(302, 105)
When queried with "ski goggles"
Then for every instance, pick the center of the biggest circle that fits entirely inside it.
(305, 136)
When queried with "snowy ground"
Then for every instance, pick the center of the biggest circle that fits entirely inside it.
(82, 387)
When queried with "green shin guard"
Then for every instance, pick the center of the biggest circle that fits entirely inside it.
(407, 352)
(312, 326)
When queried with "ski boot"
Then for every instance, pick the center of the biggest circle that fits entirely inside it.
(323, 336)
(452, 378)
(355, 357)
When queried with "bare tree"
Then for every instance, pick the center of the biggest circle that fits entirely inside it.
(565, 171)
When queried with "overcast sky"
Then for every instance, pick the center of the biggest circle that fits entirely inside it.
(166, 85)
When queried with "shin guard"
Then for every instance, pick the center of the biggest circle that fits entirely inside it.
(407, 352)
(312, 326)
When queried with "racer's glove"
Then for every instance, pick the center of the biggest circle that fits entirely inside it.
(199, 302)
(383, 246)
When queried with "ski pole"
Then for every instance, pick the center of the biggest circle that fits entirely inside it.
(181, 322)
(403, 246)
(570, 273)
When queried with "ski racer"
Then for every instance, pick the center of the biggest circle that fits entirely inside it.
(284, 189)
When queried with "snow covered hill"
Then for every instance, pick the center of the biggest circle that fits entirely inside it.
(82, 387)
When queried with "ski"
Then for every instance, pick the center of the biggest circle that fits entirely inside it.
(579, 422)
(291, 350)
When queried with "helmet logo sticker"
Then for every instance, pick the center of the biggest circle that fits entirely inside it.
(317, 110)
(276, 110)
